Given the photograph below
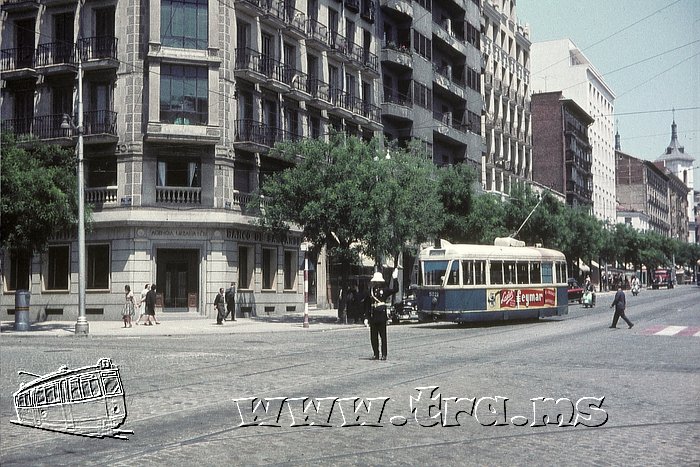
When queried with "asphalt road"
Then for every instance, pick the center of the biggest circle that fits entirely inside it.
(182, 391)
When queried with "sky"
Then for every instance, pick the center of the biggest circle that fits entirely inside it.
(655, 45)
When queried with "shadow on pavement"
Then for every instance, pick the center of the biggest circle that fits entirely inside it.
(41, 326)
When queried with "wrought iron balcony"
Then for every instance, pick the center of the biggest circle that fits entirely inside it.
(95, 122)
(55, 53)
(98, 48)
(371, 61)
(317, 34)
(16, 59)
(353, 5)
(368, 11)
(320, 93)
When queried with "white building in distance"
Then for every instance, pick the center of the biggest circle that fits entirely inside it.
(561, 66)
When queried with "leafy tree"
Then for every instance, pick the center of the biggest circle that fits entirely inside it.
(404, 207)
(347, 195)
(486, 220)
(455, 189)
(39, 194)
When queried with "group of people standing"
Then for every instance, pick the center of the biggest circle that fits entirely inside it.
(225, 304)
(146, 306)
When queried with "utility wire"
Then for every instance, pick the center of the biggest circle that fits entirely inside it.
(611, 35)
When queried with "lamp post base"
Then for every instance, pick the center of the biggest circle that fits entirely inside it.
(82, 327)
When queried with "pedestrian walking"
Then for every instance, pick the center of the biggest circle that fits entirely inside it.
(377, 316)
(151, 307)
(142, 302)
(620, 303)
(220, 306)
(128, 310)
(231, 302)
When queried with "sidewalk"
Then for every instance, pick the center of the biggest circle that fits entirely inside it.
(187, 324)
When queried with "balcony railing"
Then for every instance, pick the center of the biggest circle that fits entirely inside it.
(17, 58)
(99, 122)
(252, 131)
(318, 89)
(101, 195)
(339, 43)
(247, 59)
(178, 195)
(317, 32)
(353, 5)
(99, 47)
(397, 98)
(95, 122)
(368, 11)
(371, 61)
(55, 53)
(372, 112)
(355, 52)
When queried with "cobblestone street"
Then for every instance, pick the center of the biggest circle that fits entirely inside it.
(181, 392)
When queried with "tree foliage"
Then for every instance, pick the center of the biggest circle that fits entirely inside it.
(348, 195)
(39, 194)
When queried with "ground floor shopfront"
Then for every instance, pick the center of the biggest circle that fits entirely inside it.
(188, 261)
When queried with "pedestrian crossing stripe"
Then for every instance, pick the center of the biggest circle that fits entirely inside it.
(665, 330)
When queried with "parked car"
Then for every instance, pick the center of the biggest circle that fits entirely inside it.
(662, 278)
(575, 291)
(406, 309)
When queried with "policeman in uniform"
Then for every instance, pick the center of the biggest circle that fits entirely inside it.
(376, 313)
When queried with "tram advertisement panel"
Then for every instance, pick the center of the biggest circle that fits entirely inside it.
(520, 299)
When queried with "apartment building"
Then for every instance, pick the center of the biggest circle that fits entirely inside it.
(643, 194)
(562, 152)
(507, 120)
(431, 76)
(182, 102)
(561, 66)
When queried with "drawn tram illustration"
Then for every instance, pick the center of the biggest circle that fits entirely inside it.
(86, 401)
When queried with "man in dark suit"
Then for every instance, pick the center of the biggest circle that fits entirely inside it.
(376, 316)
(231, 302)
(620, 303)
(220, 306)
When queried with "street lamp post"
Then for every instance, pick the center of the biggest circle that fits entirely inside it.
(81, 326)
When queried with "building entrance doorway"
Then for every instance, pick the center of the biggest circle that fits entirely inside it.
(177, 275)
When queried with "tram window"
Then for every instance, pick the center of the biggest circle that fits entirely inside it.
(39, 397)
(523, 276)
(23, 400)
(453, 276)
(74, 390)
(91, 386)
(467, 272)
(480, 272)
(535, 273)
(497, 272)
(434, 271)
(547, 273)
(111, 385)
(561, 267)
(52, 395)
(509, 272)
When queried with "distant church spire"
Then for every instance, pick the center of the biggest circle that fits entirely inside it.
(674, 137)
(617, 140)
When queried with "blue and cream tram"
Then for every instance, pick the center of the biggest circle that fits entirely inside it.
(508, 280)
(86, 401)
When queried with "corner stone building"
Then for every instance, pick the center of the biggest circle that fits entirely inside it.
(182, 102)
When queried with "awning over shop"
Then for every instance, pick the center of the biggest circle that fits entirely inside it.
(583, 266)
